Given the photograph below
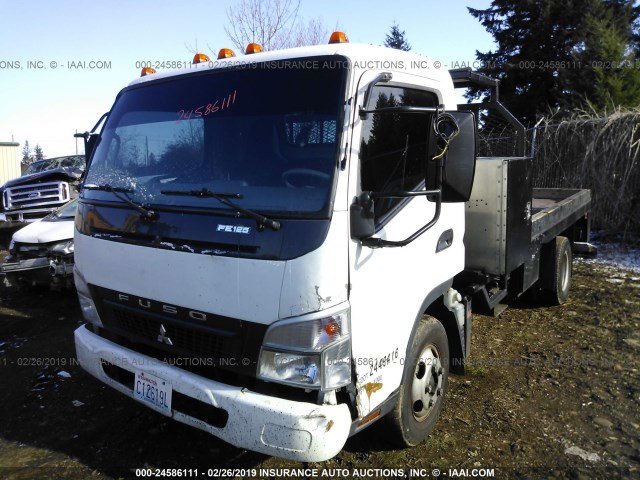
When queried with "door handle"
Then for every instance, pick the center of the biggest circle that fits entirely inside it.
(445, 240)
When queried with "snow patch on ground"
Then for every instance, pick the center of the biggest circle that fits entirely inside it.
(616, 249)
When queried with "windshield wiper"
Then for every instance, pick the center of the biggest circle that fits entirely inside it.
(223, 198)
(119, 192)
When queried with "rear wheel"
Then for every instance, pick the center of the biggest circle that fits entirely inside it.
(557, 265)
(424, 383)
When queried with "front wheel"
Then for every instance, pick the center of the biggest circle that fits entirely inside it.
(424, 384)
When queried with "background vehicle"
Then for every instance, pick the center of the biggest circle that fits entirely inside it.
(45, 185)
(42, 252)
(282, 267)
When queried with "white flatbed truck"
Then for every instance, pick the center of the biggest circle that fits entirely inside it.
(271, 247)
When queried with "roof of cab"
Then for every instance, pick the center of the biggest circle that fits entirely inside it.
(361, 57)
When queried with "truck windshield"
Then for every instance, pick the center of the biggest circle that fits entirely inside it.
(266, 134)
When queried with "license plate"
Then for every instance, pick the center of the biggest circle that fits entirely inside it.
(154, 390)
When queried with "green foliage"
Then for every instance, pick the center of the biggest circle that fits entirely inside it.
(38, 153)
(31, 155)
(395, 39)
(559, 55)
(27, 154)
(615, 75)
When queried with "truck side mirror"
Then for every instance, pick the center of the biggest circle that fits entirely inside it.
(90, 146)
(459, 161)
(91, 139)
(90, 142)
(361, 217)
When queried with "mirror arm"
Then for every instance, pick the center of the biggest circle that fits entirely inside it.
(86, 135)
(403, 194)
(401, 109)
(376, 242)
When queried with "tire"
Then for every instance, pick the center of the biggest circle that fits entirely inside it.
(558, 265)
(424, 384)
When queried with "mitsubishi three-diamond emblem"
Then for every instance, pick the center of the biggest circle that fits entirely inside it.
(162, 338)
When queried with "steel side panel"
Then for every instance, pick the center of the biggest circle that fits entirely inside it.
(485, 234)
(498, 216)
(518, 213)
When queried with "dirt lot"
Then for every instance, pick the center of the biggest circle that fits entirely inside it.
(549, 393)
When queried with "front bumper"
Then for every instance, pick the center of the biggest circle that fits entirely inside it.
(26, 265)
(295, 430)
(31, 271)
(29, 215)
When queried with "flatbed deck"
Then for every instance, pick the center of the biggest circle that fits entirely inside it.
(556, 209)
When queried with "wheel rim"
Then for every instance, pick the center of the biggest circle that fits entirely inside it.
(566, 271)
(426, 387)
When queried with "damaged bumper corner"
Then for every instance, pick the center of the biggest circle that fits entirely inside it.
(34, 270)
(295, 430)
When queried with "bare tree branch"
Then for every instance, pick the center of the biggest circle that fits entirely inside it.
(192, 47)
(267, 22)
(313, 32)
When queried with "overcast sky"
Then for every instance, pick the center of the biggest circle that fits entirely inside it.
(63, 62)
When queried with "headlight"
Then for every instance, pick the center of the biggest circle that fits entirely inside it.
(12, 246)
(62, 248)
(88, 308)
(308, 352)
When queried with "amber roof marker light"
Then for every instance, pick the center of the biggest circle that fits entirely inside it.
(225, 53)
(200, 58)
(338, 37)
(253, 48)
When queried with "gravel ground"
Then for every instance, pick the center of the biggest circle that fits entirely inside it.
(550, 392)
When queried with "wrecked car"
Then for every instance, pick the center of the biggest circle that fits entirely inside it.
(42, 252)
(45, 186)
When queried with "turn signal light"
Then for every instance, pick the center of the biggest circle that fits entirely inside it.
(253, 48)
(225, 53)
(338, 37)
(200, 58)
(147, 71)
(332, 328)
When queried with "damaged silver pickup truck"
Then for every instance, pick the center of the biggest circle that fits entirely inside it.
(42, 252)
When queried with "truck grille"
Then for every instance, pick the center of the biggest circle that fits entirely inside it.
(217, 341)
(183, 339)
(26, 251)
(38, 195)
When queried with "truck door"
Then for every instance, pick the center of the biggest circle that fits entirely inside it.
(389, 286)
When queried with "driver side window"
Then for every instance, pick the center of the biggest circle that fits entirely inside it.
(394, 146)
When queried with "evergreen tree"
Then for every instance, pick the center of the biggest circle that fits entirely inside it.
(38, 153)
(611, 57)
(27, 154)
(395, 39)
(561, 54)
